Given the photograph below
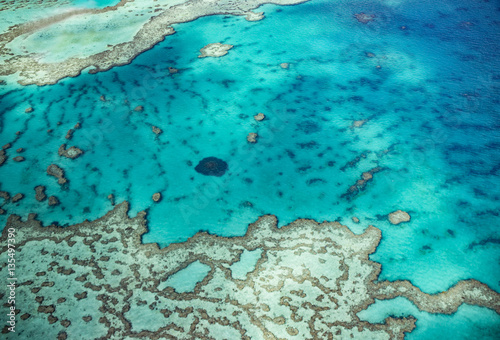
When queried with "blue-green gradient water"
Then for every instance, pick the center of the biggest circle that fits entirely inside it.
(432, 111)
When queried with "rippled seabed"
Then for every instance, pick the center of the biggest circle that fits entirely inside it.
(432, 126)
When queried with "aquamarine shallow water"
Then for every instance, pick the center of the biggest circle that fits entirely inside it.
(468, 322)
(433, 105)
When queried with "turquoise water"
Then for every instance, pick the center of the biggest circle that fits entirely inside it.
(94, 3)
(186, 279)
(433, 126)
(468, 322)
(246, 264)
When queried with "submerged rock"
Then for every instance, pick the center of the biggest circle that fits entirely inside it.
(29, 110)
(259, 116)
(5, 195)
(111, 198)
(17, 198)
(360, 183)
(40, 193)
(3, 157)
(157, 130)
(358, 123)
(367, 176)
(211, 166)
(72, 152)
(139, 108)
(69, 134)
(53, 201)
(57, 172)
(252, 137)
(172, 70)
(253, 16)
(215, 50)
(355, 219)
(18, 159)
(364, 18)
(399, 216)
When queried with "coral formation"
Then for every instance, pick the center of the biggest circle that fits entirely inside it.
(252, 137)
(40, 193)
(32, 69)
(310, 281)
(71, 152)
(399, 216)
(57, 172)
(157, 131)
(259, 117)
(215, 50)
(211, 166)
(364, 18)
(17, 198)
(53, 200)
(156, 197)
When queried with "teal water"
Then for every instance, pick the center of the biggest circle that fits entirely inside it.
(433, 126)
(246, 264)
(94, 3)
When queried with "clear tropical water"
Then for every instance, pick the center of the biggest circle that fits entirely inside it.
(432, 114)
(94, 3)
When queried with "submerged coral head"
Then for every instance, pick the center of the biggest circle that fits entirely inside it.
(211, 166)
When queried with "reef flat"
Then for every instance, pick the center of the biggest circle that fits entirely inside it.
(97, 279)
(103, 38)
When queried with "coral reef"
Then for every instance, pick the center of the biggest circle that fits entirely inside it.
(211, 166)
(57, 172)
(364, 18)
(157, 131)
(32, 69)
(310, 281)
(252, 137)
(5, 195)
(17, 198)
(111, 199)
(3, 156)
(71, 152)
(157, 197)
(399, 216)
(40, 193)
(215, 50)
(53, 200)
(360, 183)
(259, 117)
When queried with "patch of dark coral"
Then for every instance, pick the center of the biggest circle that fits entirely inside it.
(211, 166)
